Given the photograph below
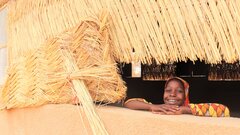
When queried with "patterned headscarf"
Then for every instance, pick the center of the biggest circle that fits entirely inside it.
(186, 88)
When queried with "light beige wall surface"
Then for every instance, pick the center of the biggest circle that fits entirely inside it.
(64, 120)
(3, 39)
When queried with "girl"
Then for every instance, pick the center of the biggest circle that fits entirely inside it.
(176, 101)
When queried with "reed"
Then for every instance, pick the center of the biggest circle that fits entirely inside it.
(59, 50)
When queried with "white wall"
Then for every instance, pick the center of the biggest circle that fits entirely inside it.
(3, 38)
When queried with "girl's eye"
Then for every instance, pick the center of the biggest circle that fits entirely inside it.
(180, 90)
(167, 90)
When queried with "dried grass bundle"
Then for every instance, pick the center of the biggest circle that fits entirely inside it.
(42, 76)
(3, 4)
(75, 63)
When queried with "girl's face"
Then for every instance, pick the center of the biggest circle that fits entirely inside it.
(174, 93)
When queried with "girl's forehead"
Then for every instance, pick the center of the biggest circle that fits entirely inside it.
(174, 82)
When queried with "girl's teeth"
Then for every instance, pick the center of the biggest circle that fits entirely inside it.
(172, 100)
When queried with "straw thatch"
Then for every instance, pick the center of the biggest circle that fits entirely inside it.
(59, 49)
(164, 30)
(3, 4)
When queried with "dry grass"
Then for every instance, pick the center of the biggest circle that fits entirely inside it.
(60, 49)
(76, 63)
(3, 3)
(167, 31)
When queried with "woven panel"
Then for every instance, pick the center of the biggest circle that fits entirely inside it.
(42, 76)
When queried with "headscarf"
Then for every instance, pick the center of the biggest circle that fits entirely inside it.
(186, 88)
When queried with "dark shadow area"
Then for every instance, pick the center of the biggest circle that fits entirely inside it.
(201, 89)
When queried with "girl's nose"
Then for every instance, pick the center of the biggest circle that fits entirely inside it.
(173, 94)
